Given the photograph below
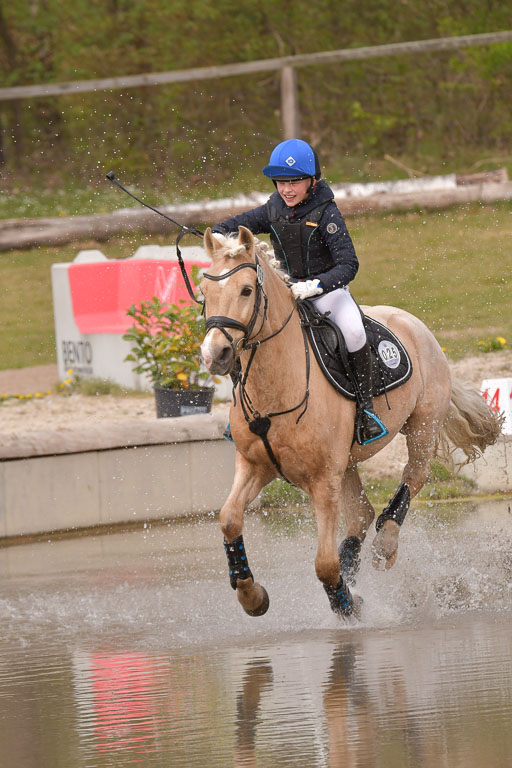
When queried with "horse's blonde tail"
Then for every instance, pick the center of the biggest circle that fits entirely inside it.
(470, 425)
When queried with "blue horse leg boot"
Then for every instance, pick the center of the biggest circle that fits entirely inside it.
(237, 560)
(350, 560)
(368, 426)
(227, 434)
(340, 599)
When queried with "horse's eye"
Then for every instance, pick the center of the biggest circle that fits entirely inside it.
(246, 290)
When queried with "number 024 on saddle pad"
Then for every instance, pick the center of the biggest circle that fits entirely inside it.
(391, 364)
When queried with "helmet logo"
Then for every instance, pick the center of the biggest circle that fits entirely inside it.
(290, 161)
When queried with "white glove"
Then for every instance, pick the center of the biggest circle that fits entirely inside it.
(307, 288)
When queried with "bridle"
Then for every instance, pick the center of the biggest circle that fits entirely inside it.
(258, 424)
(221, 322)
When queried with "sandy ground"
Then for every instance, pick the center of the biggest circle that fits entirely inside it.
(60, 410)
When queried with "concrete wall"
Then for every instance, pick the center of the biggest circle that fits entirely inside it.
(143, 471)
(492, 472)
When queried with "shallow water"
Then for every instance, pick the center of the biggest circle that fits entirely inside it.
(131, 649)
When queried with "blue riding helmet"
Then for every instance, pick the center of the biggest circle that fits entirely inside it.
(291, 160)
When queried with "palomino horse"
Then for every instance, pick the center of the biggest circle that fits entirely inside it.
(288, 421)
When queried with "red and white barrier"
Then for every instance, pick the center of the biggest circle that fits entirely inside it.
(498, 394)
(91, 296)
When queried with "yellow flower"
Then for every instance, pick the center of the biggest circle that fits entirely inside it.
(38, 394)
(501, 340)
(182, 376)
(69, 371)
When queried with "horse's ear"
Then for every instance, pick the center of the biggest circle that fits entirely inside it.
(246, 238)
(211, 243)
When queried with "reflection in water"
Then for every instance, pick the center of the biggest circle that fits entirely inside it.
(257, 677)
(115, 652)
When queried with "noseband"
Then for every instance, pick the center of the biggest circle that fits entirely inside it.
(221, 322)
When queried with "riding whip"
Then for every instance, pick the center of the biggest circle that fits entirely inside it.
(184, 231)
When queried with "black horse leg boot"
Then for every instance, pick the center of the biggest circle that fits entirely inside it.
(368, 426)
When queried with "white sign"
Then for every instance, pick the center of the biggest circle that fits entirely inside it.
(91, 296)
(498, 395)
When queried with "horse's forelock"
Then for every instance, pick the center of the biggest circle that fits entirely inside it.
(231, 248)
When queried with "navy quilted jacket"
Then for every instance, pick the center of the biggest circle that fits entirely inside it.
(332, 227)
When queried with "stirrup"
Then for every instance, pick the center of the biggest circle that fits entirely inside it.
(227, 434)
(368, 427)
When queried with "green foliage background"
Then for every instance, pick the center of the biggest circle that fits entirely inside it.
(437, 110)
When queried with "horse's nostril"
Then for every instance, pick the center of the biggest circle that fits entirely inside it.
(225, 356)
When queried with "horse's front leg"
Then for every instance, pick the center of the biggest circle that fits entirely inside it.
(248, 482)
(326, 499)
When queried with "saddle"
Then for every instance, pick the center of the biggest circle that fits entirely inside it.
(391, 364)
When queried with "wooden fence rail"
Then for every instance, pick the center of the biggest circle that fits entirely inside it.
(250, 67)
(286, 64)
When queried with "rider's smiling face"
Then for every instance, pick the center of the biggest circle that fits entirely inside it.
(293, 192)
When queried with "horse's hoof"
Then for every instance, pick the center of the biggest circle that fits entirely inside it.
(358, 605)
(385, 546)
(383, 563)
(263, 608)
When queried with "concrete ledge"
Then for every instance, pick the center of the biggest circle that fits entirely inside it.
(120, 473)
(113, 435)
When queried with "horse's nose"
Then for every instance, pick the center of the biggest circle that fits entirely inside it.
(217, 354)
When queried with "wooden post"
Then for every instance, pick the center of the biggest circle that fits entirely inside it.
(290, 117)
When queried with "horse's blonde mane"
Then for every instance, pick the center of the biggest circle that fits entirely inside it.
(232, 249)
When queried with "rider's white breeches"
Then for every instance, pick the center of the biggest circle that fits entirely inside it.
(345, 313)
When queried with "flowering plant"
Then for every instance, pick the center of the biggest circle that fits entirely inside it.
(166, 340)
(492, 344)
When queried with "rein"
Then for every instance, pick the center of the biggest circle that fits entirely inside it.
(259, 425)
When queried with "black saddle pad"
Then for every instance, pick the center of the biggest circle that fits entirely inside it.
(390, 360)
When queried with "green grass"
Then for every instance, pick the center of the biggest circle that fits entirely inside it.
(441, 486)
(449, 268)
(445, 497)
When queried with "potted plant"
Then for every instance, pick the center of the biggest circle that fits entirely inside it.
(166, 340)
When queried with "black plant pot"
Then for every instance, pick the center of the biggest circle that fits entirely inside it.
(183, 402)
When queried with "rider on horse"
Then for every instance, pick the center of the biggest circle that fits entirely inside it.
(312, 244)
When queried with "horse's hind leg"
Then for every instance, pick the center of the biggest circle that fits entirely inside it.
(421, 434)
(359, 515)
(249, 480)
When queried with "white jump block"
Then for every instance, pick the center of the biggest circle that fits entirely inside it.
(498, 394)
(91, 297)
(492, 472)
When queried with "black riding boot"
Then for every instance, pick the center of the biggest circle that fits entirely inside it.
(368, 426)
